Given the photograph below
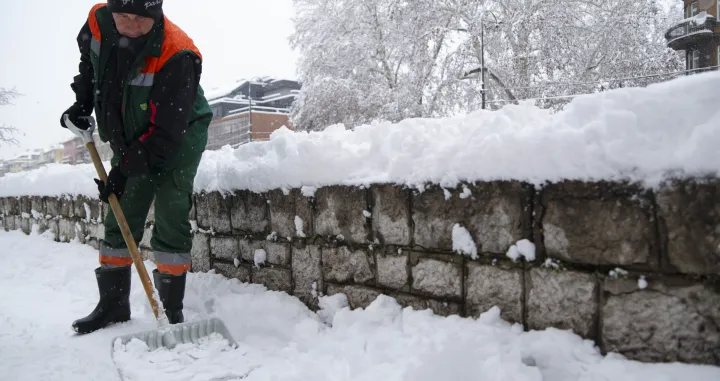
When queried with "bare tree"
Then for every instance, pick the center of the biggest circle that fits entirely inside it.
(7, 132)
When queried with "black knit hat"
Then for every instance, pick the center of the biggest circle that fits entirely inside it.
(145, 8)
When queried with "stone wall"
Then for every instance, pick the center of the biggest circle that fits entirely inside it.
(637, 271)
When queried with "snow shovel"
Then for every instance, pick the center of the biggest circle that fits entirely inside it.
(167, 335)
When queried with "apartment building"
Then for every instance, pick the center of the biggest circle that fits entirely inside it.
(698, 34)
(250, 110)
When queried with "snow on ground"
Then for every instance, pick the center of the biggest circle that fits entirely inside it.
(45, 285)
(630, 133)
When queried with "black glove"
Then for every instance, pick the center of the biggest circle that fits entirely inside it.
(75, 112)
(115, 184)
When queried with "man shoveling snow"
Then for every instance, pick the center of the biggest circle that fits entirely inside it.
(141, 73)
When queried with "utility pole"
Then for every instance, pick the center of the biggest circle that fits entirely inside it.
(482, 61)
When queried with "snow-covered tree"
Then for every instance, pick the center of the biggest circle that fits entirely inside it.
(7, 132)
(393, 59)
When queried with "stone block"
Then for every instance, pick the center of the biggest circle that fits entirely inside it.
(340, 211)
(53, 206)
(38, 205)
(282, 212)
(40, 224)
(275, 279)
(100, 231)
(25, 225)
(562, 300)
(488, 286)
(689, 216)
(213, 212)
(96, 231)
(225, 248)
(24, 204)
(247, 249)
(66, 228)
(306, 271)
(11, 206)
(54, 228)
(241, 273)
(669, 321)
(285, 208)
(342, 265)
(438, 278)
(391, 214)
(419, 303)
(9, 223)
(304, 206)
(278, 253)
(598, 224)
(200, 253)
(249, 212)
(392, 271)
(81, 231)
(82, 205)
(193, 209)
(67, 209)
(495, 214)
(358, 296)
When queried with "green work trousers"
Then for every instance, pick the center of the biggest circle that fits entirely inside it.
(171, 241)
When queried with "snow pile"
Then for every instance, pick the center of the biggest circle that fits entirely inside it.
(630, 133)
(299, 225)
(260, 257)
(211, 359)
(638, 134)
(462, 242)
(277, 337)
(522, 248)
(52, 180)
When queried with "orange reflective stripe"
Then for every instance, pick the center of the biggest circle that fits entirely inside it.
(115, 261)
(173, 269)
(93, 22)
(174, 40)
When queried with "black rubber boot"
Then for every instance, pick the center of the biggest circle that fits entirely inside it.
(114, 304)
(171, 289)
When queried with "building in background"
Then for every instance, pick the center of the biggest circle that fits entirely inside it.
(250, 110)
(245, 111)
(71, 152)
(698, 34)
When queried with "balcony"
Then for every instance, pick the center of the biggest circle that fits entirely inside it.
(694, 30)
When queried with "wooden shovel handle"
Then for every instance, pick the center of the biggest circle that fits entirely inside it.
(127, 235)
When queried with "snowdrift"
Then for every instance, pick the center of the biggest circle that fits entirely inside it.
(636, 134)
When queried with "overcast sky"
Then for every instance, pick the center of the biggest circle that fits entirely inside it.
(238, 39)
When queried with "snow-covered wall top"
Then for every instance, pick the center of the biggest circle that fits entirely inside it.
(637, 134)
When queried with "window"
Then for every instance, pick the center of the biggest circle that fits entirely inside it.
(693, 9)
(693, 59)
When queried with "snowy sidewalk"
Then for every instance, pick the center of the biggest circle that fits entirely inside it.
(45, 285)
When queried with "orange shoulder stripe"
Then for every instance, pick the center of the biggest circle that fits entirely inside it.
(176, 40)
(93, 22)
